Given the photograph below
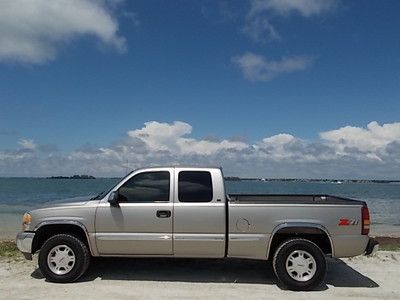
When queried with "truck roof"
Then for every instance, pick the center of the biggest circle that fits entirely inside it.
(179, 166)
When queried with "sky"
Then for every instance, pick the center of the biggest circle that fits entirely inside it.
(263, 88)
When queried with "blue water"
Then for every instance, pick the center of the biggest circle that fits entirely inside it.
(20, 194)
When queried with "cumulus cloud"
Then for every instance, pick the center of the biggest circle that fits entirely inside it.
(373, 142)
(258, 68)
(33, 31)
(171, 137)
(350, 152)
(373, 138)
(161, 136)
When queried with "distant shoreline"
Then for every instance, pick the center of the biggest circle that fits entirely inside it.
(337, 181)
(72, 177)
(233, 178)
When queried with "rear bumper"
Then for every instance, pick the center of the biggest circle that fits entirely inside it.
(372, 247)
(24, 243)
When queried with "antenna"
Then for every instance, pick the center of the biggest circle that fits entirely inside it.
(127, 166)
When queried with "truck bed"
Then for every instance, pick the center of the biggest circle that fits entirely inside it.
(291, 199)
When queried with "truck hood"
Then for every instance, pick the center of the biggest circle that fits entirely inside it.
(77, 209)
(76, 201)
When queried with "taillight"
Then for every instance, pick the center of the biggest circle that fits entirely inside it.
(365, 220)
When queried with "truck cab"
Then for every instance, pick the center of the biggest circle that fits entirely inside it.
(164, 211)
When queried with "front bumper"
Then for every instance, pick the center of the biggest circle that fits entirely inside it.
(372, 247)
(24, 243)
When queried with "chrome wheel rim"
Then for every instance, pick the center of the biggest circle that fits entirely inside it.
(61, 259)
(301, 265)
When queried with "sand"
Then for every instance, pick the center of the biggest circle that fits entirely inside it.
(355, 278)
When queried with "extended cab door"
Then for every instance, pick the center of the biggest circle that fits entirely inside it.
(199, 213)
(142, 223)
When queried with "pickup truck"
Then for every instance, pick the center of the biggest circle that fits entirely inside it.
(185, 212)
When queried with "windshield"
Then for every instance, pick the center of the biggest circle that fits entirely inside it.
(105, 192)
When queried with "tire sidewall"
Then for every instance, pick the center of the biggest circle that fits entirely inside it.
(75, 245)
(280, 264)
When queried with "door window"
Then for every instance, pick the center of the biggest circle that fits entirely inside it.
(146, 187)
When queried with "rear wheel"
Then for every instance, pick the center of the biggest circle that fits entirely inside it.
(299, 264)
(63, 258)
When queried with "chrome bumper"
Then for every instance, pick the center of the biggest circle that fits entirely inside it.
(24, 243)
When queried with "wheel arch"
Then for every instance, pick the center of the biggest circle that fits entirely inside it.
(314, 232)
(47, 229)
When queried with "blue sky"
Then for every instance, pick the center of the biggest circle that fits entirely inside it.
(78, 76)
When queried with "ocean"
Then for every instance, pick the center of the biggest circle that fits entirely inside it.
(18, 195)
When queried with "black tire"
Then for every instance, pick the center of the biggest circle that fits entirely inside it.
(308, 248)
(80, 250)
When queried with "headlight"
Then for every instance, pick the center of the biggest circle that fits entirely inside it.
(26, 221)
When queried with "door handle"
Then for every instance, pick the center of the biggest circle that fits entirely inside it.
(163, 213)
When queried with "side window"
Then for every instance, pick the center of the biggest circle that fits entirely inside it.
(194, 186)
(146, 187)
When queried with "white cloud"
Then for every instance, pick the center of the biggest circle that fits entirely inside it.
(171, 137)
(161, 136)
(258, 26)
(306, 8)
(27, 144)
(350, 152)
(258, 68)
(374, 139)
(32, 31)
(260, 30)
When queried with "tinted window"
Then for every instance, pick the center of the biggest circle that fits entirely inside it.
(146, 187)
(194, 186)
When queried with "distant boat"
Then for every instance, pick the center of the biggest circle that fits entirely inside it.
(339, 182)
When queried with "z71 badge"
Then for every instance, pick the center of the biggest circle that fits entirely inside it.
(347, 222)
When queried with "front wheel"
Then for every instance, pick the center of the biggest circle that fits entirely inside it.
(299, 264)
(63, 258)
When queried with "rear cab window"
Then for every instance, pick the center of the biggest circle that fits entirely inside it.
(195, 186)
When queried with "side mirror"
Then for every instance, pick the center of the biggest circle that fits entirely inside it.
(113, 199)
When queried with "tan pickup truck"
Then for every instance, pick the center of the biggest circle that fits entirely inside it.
(185, 212)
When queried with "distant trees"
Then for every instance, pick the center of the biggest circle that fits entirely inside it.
(72, 177)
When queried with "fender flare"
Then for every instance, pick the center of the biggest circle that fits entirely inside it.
(299, 225)
(67, 222)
